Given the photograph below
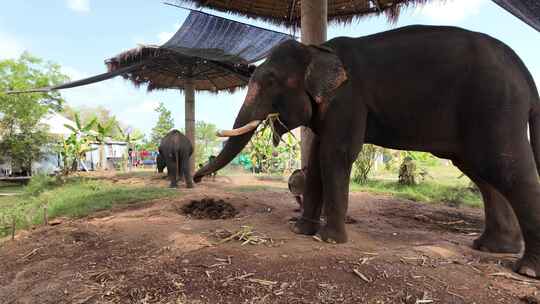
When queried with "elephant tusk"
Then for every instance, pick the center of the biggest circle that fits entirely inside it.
(239, 131)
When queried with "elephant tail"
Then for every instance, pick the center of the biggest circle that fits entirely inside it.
(534, 133)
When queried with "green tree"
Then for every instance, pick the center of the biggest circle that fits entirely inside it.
(206, 141)
(23, 138)
(163, 126)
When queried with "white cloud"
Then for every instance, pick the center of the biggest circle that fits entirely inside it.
(450, 11)
(10, 46)
(81, 6)
(165, 36)
(159, 39)
(147, 106)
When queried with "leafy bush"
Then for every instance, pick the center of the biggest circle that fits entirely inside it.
(363, 163)
(266, 158)
(428, 191)
(423, 158)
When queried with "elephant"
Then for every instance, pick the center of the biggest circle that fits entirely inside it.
(175, 150)
(296, 184)
(458, 94)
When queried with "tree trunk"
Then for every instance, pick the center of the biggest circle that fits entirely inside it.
(189, 93)
(313, 22)
(101, 157)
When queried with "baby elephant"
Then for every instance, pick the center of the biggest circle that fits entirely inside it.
(296, 185)
(174, 153)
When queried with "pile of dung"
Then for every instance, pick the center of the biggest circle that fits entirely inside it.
(209, 208)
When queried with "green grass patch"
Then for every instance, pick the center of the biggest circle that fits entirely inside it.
(253, 188)
(10, 188)
(427, 191)
(74, 197)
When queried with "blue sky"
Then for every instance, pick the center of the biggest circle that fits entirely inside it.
(80, 34)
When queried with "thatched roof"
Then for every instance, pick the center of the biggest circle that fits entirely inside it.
(287, 12)
(166, 69)
(212, 52)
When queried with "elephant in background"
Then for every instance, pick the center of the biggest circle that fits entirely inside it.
(175, 150)
(458, 94)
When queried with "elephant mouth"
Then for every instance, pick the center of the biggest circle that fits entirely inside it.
(278, 129)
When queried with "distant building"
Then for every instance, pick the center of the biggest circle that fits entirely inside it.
(51, 161)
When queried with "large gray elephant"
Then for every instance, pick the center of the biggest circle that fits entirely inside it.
(458, 94)
(175, 150)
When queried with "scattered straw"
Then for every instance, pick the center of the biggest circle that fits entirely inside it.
(247, 235)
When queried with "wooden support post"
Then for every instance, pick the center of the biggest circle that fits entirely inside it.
(45, 217)
(13, 227)
(189, 93)
(313, 21)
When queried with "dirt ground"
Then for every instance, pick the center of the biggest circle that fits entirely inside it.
(398, 252)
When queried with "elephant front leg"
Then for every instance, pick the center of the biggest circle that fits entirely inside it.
(336, 171)
(309, 222)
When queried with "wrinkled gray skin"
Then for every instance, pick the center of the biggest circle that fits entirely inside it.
(175, 150)
(458, 94)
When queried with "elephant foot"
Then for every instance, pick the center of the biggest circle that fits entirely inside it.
(528, 265)
(189, 185)
(331, 235)
(305, 226)
(498, 243)
(173, 186)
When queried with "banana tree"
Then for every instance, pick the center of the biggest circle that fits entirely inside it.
(269, 159)
(81, 130)
(73, 149)
(104, 130)
(129, 138)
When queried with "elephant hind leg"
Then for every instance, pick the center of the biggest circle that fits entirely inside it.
(511, 170)
(501, 228)
(186, 170)
(171, 173)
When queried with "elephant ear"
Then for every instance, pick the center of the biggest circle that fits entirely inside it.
(324, 74)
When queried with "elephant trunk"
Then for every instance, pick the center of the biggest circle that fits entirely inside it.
(246, 121)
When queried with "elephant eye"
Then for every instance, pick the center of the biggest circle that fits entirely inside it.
(271, 79)
(277, 103)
